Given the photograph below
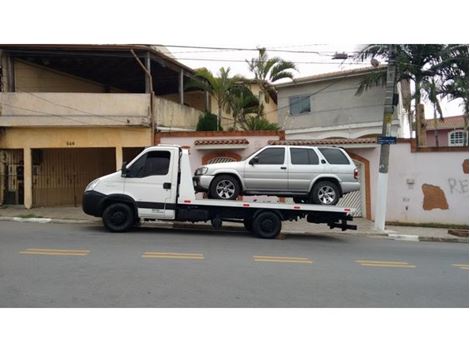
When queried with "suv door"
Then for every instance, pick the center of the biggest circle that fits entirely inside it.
(304, 166)
(150, 180)
(338, 163)
(267, 171)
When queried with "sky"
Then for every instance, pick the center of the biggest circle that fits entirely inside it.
(336, 25)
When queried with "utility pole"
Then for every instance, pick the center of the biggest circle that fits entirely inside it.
(382, 181)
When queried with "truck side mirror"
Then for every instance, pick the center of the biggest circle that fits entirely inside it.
(254, 160)
(124, 169)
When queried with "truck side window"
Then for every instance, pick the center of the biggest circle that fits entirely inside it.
(271, 156)
(334, 156)
(151, 164)
(303, 156)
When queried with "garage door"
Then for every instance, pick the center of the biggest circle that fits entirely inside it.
(61, 175)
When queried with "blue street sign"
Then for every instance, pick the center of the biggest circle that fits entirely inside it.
(386, 140)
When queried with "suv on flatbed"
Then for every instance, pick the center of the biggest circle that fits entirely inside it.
(319, 175)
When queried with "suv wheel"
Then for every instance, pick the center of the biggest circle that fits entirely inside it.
(118, 217)
(325, 193)
(225, 187)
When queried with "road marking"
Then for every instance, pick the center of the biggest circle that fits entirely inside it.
(461, 266)
(173, 255)
(272, 259)
(55, 251)
(384, 264)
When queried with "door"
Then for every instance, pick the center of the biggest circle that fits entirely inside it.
(267, 171)
(304, 166)
(151, 181)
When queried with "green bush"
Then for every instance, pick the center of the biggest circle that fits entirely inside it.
(207, 122)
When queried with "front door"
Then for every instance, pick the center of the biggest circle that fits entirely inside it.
(151, 182)
(267, 172)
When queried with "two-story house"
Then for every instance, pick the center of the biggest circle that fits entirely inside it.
(327, 106)
(71, 113)
(449, 132)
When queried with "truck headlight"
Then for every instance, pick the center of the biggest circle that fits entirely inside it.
(92, 185)
(201, 171)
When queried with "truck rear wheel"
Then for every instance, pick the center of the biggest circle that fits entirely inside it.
(267, 224)
(118, 217)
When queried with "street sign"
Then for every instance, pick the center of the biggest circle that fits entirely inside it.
(386, 140)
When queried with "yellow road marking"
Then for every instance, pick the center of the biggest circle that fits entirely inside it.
(172, 257)
(380, 262)
(284, 261)
(173, 253)
(271, 257)
(58, 250)
(388, 265)
(461, 266)
(53, 253)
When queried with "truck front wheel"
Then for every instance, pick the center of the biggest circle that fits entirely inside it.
(267, 224)
(118, 217)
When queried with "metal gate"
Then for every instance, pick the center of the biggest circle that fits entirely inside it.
(11, 176)
(61, 175)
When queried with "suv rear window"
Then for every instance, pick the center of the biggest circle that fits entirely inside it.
(334, 156)
(303, 156)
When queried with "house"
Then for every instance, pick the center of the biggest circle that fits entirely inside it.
(326, 106)
(71, 113)
(449, 132)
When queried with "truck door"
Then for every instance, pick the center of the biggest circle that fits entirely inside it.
(151, 181)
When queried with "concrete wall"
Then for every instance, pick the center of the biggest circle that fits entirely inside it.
(34, 78)
(423, 187)
(175, 115)
(74, 109)
(332, 103)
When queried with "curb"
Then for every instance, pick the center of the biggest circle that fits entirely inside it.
(46, 220)
(417, 238)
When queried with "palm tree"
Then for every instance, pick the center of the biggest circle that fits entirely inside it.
(218, 86)
(431, 88)
(454, 67)
(415, 62)
(242, 103)
(267, 71)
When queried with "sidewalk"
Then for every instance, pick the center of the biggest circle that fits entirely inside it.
(364, 227)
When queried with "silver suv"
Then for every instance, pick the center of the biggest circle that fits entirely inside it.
(319, 175)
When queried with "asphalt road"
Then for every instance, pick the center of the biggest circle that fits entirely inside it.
(57, 265)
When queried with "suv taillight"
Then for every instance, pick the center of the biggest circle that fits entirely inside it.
(356, 174)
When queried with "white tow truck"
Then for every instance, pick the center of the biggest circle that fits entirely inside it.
(157, 185)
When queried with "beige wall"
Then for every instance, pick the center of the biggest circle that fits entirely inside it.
(74, 137)
(34, 78)
(175, 115)
(192, 99)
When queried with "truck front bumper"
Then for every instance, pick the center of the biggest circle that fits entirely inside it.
(202, 183)
(92, 203)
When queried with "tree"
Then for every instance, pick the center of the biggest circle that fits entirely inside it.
(454, 75)
(267, 71)
(242, 103)
(259, 123)
(414, 62)
(218, 86)
(208, 122)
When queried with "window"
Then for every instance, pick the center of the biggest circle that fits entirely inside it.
(457, 138)
(303, 156)
(299, 105)
(151, 164)
(334, 156)
(271, 156)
